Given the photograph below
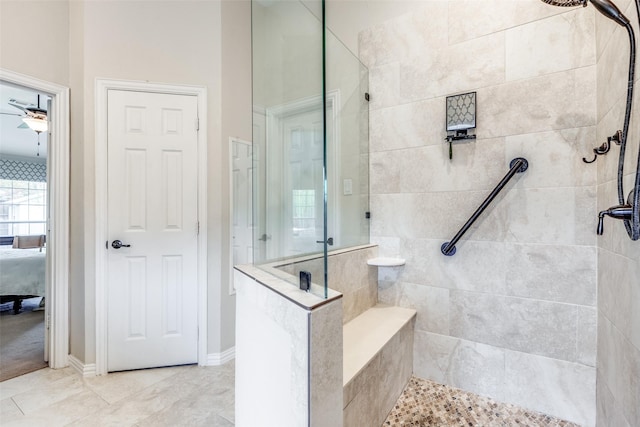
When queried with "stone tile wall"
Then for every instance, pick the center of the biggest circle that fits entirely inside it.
(618, 352)
(513, 314)
(369, 397)
(348, 273)
(289, 355)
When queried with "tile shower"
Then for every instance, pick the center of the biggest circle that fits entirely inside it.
(532, 296)
(513, 314)
(618, 354)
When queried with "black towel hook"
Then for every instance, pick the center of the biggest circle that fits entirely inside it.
(605, 147)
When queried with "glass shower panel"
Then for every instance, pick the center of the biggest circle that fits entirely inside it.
(310, 140)
(347, 85)
(288, 131)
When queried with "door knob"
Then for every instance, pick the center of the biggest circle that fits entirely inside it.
(117, 244)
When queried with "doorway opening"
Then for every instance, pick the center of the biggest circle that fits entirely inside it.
(34, 182)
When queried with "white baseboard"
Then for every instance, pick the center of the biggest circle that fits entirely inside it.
(215, 359)
(88, 370)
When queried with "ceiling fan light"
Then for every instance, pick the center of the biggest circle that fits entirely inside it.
(38, 125)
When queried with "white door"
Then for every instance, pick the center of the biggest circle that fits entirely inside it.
(303, 182)
(152, 210)
(242, 217)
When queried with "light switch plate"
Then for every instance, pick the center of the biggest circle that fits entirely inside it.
(347, 187)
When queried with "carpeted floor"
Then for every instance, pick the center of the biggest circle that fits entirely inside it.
(425, 403)
(21, 339)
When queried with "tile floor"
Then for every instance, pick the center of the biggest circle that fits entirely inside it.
(175, 396)
(204, 396)
(425, 403)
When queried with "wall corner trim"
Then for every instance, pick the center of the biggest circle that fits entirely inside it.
(85, 371)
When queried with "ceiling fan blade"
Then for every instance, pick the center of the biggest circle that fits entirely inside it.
(20, 105)
(23, 126)
(12, 114)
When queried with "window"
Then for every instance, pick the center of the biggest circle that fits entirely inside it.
(23, 207)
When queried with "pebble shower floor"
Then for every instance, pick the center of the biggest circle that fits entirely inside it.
(425, 403)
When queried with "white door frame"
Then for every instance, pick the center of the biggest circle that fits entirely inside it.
(232, 140)
(101, 271)
(58, 224)
(274, 132)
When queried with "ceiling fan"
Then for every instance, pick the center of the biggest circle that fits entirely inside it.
(33, 116)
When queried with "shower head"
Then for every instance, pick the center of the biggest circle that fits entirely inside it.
(605, 7)
(566, 3)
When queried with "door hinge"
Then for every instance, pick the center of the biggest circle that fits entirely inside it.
(367, 97)
(197, 123)
(198, 228)
(48, 323)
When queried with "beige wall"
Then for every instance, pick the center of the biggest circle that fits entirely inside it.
(176, 42)
(34, 39)
(287, 61)
(618, 375)
(513, 314)
(80, 308)
(236, 122)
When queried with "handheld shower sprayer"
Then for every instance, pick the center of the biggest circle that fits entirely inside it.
(610, 10)
(628, 212)
(605, 7)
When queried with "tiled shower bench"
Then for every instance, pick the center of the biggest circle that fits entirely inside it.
(377, 363)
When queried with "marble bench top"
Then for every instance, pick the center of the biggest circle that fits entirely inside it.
(368, 333)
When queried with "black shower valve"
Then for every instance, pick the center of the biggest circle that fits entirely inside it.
(623, 212)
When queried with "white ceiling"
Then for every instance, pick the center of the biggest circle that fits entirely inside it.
(15, 141)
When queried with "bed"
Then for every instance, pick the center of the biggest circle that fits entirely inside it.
(22, 275)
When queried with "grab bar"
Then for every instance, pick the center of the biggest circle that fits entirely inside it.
(517, 165)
